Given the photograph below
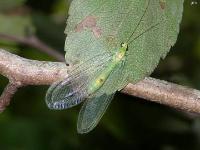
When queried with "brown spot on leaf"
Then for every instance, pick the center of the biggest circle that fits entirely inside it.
(162, 4)
(111, 39)
(91, 23)
(97, 32)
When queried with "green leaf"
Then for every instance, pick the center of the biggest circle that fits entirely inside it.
(97, 27)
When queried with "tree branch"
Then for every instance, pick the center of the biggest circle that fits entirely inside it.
(163, 92)
(32, 72)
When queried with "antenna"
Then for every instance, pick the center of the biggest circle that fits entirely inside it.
(144, 32)
(139, 21)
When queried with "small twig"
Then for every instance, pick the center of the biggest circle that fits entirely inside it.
(33, 41)
(7, 94)
(31, 72)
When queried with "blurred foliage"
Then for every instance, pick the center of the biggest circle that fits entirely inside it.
(130, 123)
(15, 25)
(9, 4)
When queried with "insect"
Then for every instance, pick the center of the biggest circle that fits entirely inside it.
(85, 82)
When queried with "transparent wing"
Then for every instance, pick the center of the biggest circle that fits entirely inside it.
(92, 111)
(64, 94)
(73, 90)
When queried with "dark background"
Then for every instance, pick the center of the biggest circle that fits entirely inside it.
(129, 123)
